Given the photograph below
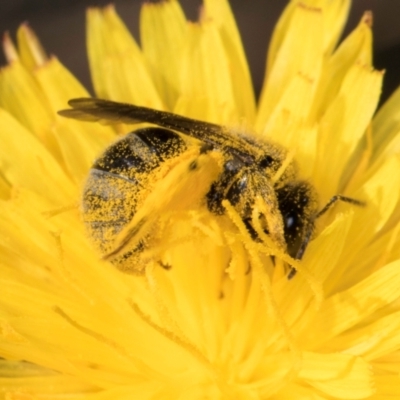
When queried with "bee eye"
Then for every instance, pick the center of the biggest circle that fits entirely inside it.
(265, 162)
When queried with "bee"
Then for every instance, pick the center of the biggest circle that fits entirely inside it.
(179, 161)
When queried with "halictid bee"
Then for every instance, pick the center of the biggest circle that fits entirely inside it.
(182, 159)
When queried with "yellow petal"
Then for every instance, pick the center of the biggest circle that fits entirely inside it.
(118, 68)
(387, 387)
(206, 87)
(381, 194)
(34, 161)
(288, 125)
(38, 381)
(372, 340)
(320, 259)
(30, 50)
(22, 97)
(354, 305)
(380, 251)
(293, 60)
(236, 326)
(343, 125)
(5, 187)
(58, 84)
(335, 16)
(355, 48)
(162, 32)
(9, 49)
(338, 375)
(78, 144)
(329, 245)
(279, 34)
(334, 13)
(386, 128)
(220, 12)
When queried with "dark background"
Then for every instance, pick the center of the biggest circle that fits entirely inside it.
(60, 25)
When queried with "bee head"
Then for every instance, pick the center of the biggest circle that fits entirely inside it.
(276, 164)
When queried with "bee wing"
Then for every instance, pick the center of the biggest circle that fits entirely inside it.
(92, 110)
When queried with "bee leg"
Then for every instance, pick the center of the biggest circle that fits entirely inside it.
(272, 258)
(310, 228)
(335, 199)
(302, 248)
(166, 266)
(248, 270)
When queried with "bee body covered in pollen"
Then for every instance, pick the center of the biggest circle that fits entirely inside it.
(180, 163)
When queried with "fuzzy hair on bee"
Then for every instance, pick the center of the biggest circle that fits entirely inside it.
(178, 163)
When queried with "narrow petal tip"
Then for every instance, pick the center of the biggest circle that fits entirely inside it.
(367, 18)
(9, 50)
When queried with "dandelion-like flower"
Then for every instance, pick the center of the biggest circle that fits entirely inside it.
(223, 321)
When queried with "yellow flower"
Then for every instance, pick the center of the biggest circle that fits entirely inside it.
(223, 322)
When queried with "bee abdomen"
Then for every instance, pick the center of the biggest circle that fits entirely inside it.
(140, 152)
(112, 191)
